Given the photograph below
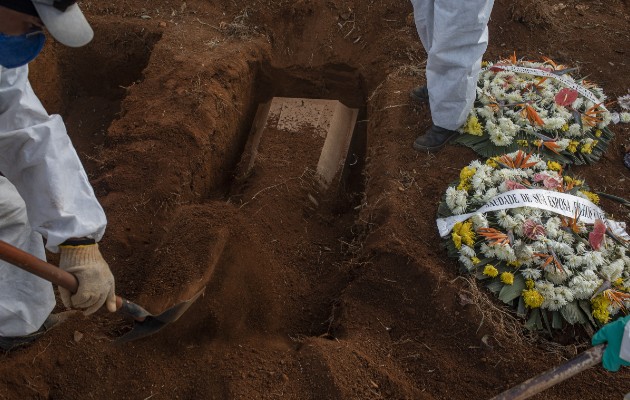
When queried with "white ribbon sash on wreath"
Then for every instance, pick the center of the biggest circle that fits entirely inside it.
(560, 203)
(566, 81)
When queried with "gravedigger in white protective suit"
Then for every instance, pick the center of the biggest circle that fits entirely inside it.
(44, 190)
(454, 34)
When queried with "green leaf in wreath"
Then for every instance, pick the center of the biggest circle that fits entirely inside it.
(534, 322)
(521, 310)
(556, 320)
(510, 292)
(573, 314)
(495, 286)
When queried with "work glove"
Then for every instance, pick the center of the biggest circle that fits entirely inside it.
(613, 334)
(96, 282)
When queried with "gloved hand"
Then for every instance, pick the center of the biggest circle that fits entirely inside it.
(612, 334)
(96, 282)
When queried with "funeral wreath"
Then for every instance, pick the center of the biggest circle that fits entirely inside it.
(537, 106)
(539, 240)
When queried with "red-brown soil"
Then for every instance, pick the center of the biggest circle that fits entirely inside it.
(351, 299)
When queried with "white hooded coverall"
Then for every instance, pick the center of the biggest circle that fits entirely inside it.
(454, 34)
(44, 192)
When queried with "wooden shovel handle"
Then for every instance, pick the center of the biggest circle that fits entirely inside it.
(35, 266)
(537, 384)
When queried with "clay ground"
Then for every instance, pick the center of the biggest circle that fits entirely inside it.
(353, 299)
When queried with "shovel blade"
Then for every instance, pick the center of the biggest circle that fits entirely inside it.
(154, 323)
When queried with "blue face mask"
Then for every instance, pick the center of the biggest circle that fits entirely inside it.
(16, 51)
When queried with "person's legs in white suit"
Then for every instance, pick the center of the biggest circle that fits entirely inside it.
(25, 299)
(454, 34)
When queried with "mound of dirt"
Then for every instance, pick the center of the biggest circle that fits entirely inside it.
(349, 296)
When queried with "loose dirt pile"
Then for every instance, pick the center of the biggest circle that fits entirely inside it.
(352, 298)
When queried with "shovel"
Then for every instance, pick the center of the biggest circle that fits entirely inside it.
(145, 323)
(537, 384)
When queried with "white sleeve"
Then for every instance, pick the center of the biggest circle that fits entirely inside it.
(37, 156)
(624, 353)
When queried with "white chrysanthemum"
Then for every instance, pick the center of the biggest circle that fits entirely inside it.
(490, 194)
(588, 104)
(624, 101)
(564, 114)
(606, 118)
(478, 183)
(539, 246)
(479, 221)
(498, 92)
(487, 251)
(573, 261)
(497, 136)
(556, 301)
(503, 175)
(456, 200)
(580, 248)
(575, 130)
(563, 144)
(486, 112)
(523, 251)
(505, 253)
(582, 287)
(593, 259)
(531, 273)
(561, 248)
(505, 220)
(577, 103)
(613, 270)
(567, 238)
(466, 261)
(508, 127)
(553, 224)
(566, 293)
(536, 214)
(556, 275)
(467, 251)
(624, 117)
(545, 288)
(554, 123)
(514, 97)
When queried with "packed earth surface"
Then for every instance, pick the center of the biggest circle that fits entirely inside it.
(344, 294)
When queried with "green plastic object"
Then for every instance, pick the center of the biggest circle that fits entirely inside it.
(612, 334)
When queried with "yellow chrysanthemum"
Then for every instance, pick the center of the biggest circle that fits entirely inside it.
(457, 240)
(492, 162)
(600, 305)
(465, 176)
(565, 127)
(465, 232)
(554, 166)
(514, 264)
(529, 284)
(473, 126)
(532, 298)
(591, 196)
(587, 148)
(572, 147)
(475, 260)
(537, 143)
(598, 133)
(507, 278)
(522, 143)
(490, 270)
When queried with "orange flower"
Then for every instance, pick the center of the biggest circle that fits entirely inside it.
(519, 161)
(531, 114)
(494, 236)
